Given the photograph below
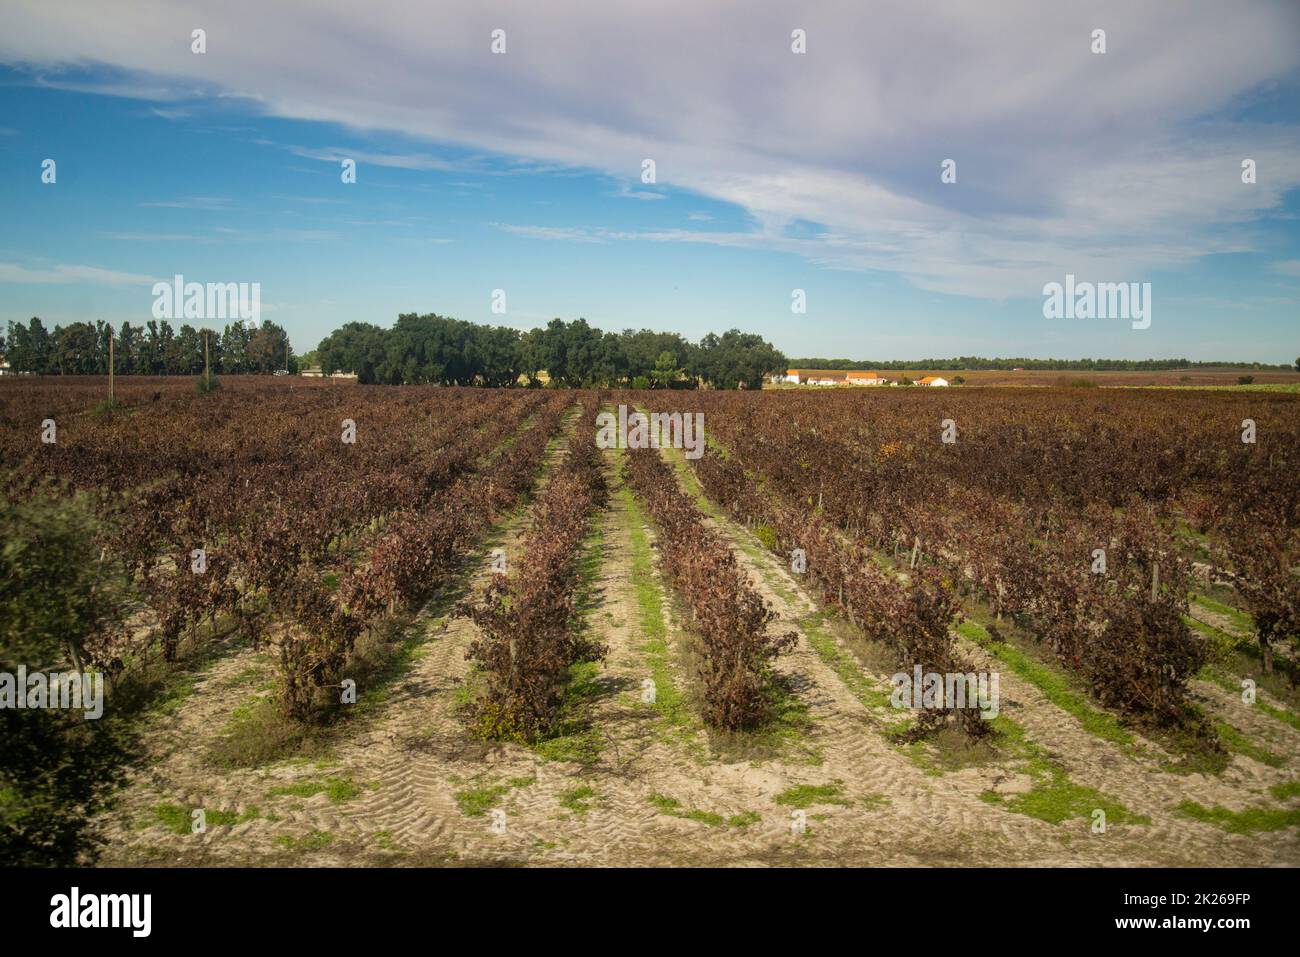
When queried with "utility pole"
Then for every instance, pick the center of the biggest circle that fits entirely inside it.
(110, 365)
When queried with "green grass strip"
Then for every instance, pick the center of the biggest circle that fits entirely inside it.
(669, 701)
(1232, 685)
(840, 660)
(1054, 685)
(673, 808)
(1241, 822)
(806, 795)
(475, 802)
(1054, 797)
(337, 789)
(1287, 789)
(1238, 743)
(1239, 618)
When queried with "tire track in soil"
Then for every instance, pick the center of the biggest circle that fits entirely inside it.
(928, 819)
(925, 820)
(417, 753)
(423, 754)
(1138, 782)
(177, 772)
(944, 814)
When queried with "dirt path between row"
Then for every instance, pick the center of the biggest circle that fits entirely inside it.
(941, 819)
(409, 785)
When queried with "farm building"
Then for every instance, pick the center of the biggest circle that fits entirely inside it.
(816, 376)
(833, 377)
(932, 380)
(314, 372)
(867, 378)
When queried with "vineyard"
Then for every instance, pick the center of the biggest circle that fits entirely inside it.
(419, 625)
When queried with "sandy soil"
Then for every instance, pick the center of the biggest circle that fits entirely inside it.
(410, 769)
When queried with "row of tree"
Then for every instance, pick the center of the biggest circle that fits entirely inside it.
(436, 349)
(152, 348)
(1051, 365)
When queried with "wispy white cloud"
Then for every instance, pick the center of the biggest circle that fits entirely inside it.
(1113, 165)
(65, 274)
(642, 194)
(135, 86)
(158, 238)
(311, 200)
(570, 234)
(193, 202)
(227, 234)
(423, 162)
(296, 235)
(414, 161)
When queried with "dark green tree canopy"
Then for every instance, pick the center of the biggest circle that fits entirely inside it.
(151, 348)
(436, 349)
(416, 349)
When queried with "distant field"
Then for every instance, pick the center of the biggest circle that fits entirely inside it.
(1192, 378)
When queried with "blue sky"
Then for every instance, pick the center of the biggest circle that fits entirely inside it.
(774, 171)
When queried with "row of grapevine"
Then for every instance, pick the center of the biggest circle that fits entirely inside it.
(1123, 630)
(530, 627)
(912, 615)
(729, 616)
(301, 521)
(413, 557)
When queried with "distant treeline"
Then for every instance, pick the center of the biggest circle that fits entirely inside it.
(438, 350)
(974, 363)
(152, 348)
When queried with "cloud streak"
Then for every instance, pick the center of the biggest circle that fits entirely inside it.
(64, 274)
(1109, 166)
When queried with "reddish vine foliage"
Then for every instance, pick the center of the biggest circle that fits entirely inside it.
(308, 540)
(1000, 514)
(913, 617)
(530, 623)
(729, 616)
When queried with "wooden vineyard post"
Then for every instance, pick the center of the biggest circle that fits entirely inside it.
(110, 365)
(207, 368)
(1155, 581)
(916, 551)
